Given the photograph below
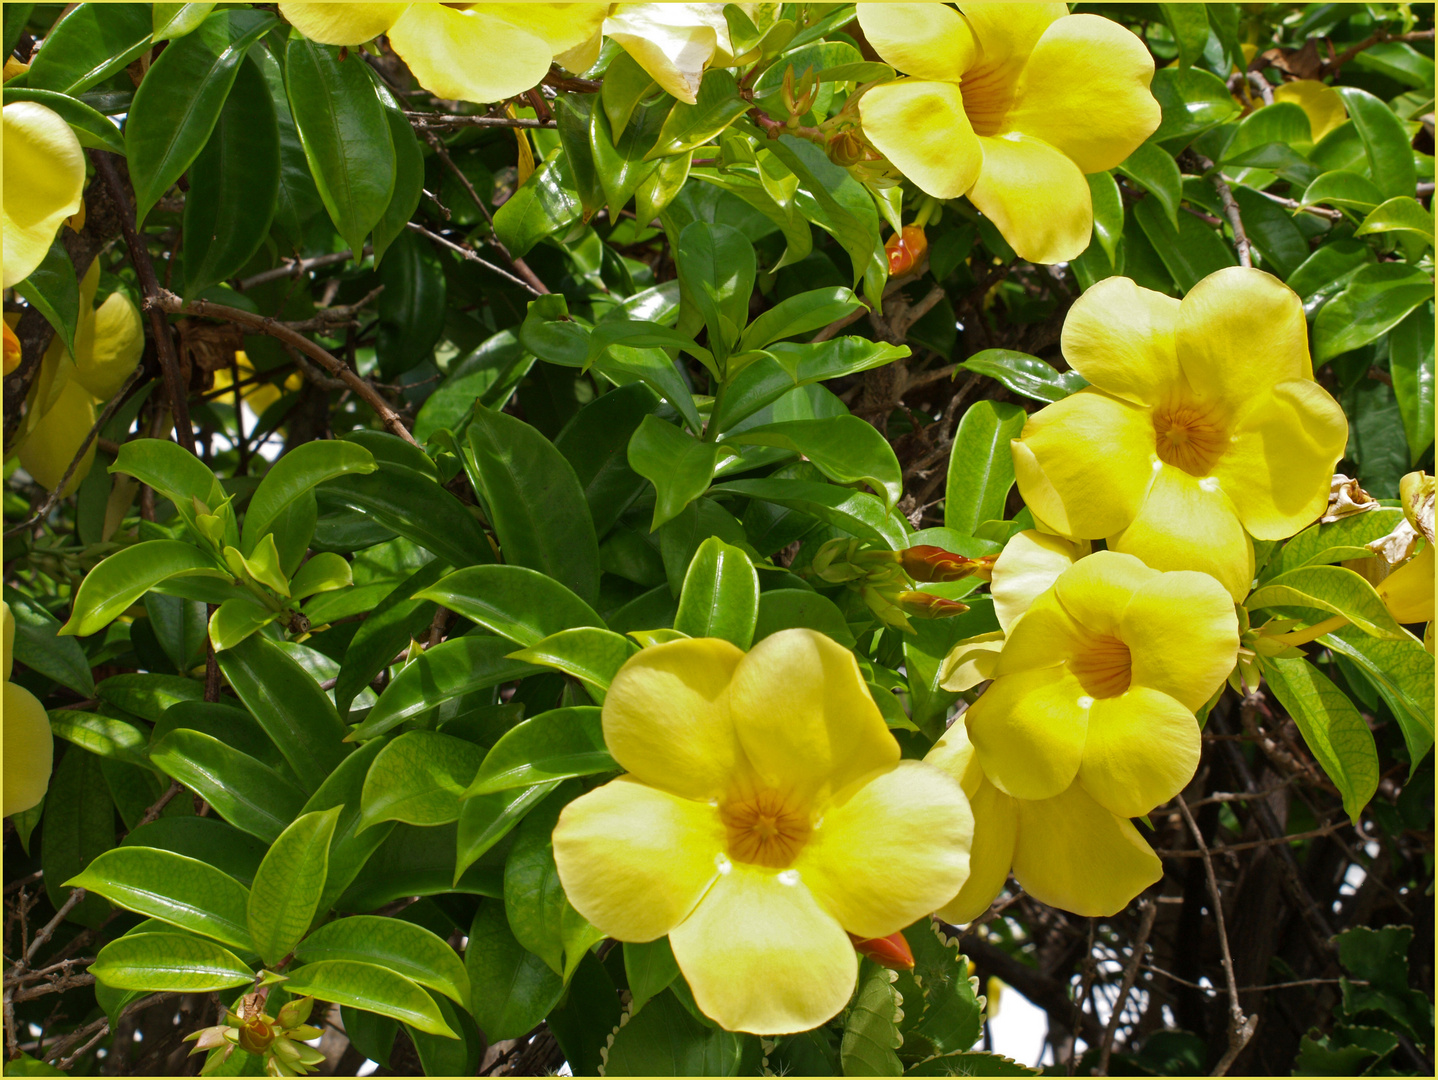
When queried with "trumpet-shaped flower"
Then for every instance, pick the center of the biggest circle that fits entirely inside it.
(53, 441)
(465, 52)
(674, 43)
(29, 745)
(765, 818)
(1009, 104)
(258, 396)
(44, 181)
(109, 339)
(1067, 851)
(1098, 682)
(1202, 426)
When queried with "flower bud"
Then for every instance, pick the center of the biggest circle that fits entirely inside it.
(906, 249)
(12, 349)
(890, 952)
(928, 606)
(256, 1036)
(924, 562)
(296, 1012)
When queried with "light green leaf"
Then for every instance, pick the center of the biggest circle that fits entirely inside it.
(588, 653)
(871, 1033)
(286, 894)
(720, 597)
(716, 106)
(103, 735)
(176, 20)
(855, 512)
(120, 580)
(236, 619)
(844, 448)
(169, 962)
(516, 602)
(981, 466)
(419, 778)
(1402, 670)
(400, 946)
(370, 987)
(679, 465)
(322, 572)
(1334, 589)
(1025, 375)
(554, 745)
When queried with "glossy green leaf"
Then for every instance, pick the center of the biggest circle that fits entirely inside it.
(720, 597)
(417, 508)
(1334, 541)
(286, 894)
(53, 290)
(716, 106)
(716, 271)
(169, 962)
(408, 184)
(345, 135)
(523, 605)
(588, 653)
(782, 609)
(78, 826)
(844, 448)
(322, 572)
(544, 204)
(179, 476)
(1410, 363)
(1334, 589)
(370, 987)
(619, 161)
(237, 619)
(105, 736)
(1333, 729)
(420, 778)
(449, 669)
(1402, 214)
(179, 102)
(534, 900)
(871, 1031)
(535, 502)
(650, 967)
(234, 182)
(1342, 188)
(208, 839)
(243, 790)
(350, 849)
(1107, 212)
(176, 20)
(1386, 142)
(294, 475)
(289, 705)
(386, 632)
(181, 891)
(1377, 299)
(39, 647)
(1190, 252)
(981, 466)
(297, 199)
(120, 580)
(679, 465)
(512, 989)
(666, 1040)
(1025, 375)
(1193, 100)
(87, 46)
(1272, 232)
(1402, 670)
(596, 443)
(855, 512)
(799, 314)
(412, 306)
(640, 335)
(625, 85)
(484, 820)
(1154, 170)
(554, 745)
(93, 128)
(149, 696)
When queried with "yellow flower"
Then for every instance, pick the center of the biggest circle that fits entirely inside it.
(258, 396)
(465, 52)
(1202, 427)
(52, 442)
(674, 43)
(1408, 589)
(29, 746)
(1098, 683)
(109, 340)
(1009, 104)
(766, 812)
(44, 180)
(1321, 102)
(1067, 851)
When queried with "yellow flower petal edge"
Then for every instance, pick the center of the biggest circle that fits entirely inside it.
(29, 749)
(44, 171)
(469, 55)
(674, 42)
(342, 24)
(1029, 564)
(52, 443)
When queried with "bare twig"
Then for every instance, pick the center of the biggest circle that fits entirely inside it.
(158, 806)
(1248, 845)
(1375, 38)
(293, 268)
(470, 254)
(426, 120)
(1230, 209)
(1148, 910)
(1253, 989)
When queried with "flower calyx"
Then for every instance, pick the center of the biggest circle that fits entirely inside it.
(891, 952)
(280, 1041)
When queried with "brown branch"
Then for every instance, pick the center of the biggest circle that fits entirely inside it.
(168, 301)
(1043, 990)
(293, 268)
(1230, 211)
(425, 120)
(1148, 910)
(1378, 37)
(472, 256)
(1249, 845)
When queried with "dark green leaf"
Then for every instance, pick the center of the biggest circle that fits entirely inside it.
(39, 647)
(844, 448)
(408, 184)
(91, 43)
(523, 605)
(412, 306)
(53, 291)
(79, 824)
(650, 967)
(1410, 363)
(94, 129)
(512, 989)
(678, 464)
(1377, 299)
(554, 745)
(855, 512)
(665, 1040)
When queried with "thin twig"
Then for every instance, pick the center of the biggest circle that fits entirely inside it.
(470, 254)
(449, 120)
(1248, 845)
(1147, 910)
(1230, 210)
(158, 806)
(1378, 37)
(293, 268)
(1253, 989)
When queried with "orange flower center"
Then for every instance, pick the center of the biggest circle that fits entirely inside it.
(1188, 438)
(988, 92)
(765, 828)
(1104, 668)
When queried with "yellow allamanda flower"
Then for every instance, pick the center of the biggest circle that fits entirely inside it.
(1009, 104)
(258, 396)
(29, 745)
(1202, 428)
(1321, 102)
(674, 43)
(1408, 590)
(765, 816)
(44, 181)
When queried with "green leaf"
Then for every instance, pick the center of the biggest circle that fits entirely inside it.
(233, 185)
(511, 989)
(679, 465)
(120, 580)
(1271, 230)
(484, 820)
(787, 366)
(103, 735)
(294, 475)
(534, 900)
(181, 891)
(1385, 141)
(289, 705)
(1193, 100)
(665, 1040)
(619, 161)
(588, 653)
(372, 988)
(1402, 214)
(286, 894)
(871, 1033)
(243, 790)
(176, 20)
(323, 572)
(408, 185)
(545, 204)
(419, 778)
(1189, 25)
(554, 745)
(642, 335)
(78, 826)
(1025, 375)
(1107, 212)
(798, 314)
(1410, 363)
(720, 597)
(88, 45)
(179, 102)
(1191, 251)
(971, 1063)
(386, 631)
(1402, 670)
(179, 476)
(440, 1056)
(716, 106)
(1336, 541)
(1334, 589)
(516, 602)
(93, 128)
(844, 448)
(716, 272)
(953, 1013)
(1342, 188)
(148, 696)
(39, 647)
(346, 137)
(53, 291)
(236, 619)
(595, 442)
(417, 508)
(1153, 169)
(781, 609)
(1377, 299)
(650, 967)
(855, 512)
(412, 306)
(169, 962)
(590, 1012)
(350, 849)
(205, 838)
(1333, 729)
(625, 85)
(449, 669)
(981, 466)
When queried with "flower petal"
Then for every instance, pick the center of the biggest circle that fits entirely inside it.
(1046, 636)
(1029, 731)
(893, 852)
(1119, 336)
(1029, 564)
(762, 956)
(1075, 855)
(1240, 331)
(342, 24)
(1098, 589)
(29, 749)
(921, 127)
(971, 661)
(1323, 104)
(666, 717)
(469, 55)
(634, 860)
(1190, 524)
(44, 171)
(52, 443)
(928, 41)
(562, 27)
(1036, 196)
(1142, 748)
(1182, 636)
(995, 826)
(1096, 454)
(673, 42)
(804, 716)
(1408, 590)
(118, 340)
(1085, 92)
(1278, 468)
(1010, 31)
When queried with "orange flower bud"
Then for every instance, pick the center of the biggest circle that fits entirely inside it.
(12, 349)
(924, 562)
(256, 1036)
(890, 952)
(906, 249)
(928, 606)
